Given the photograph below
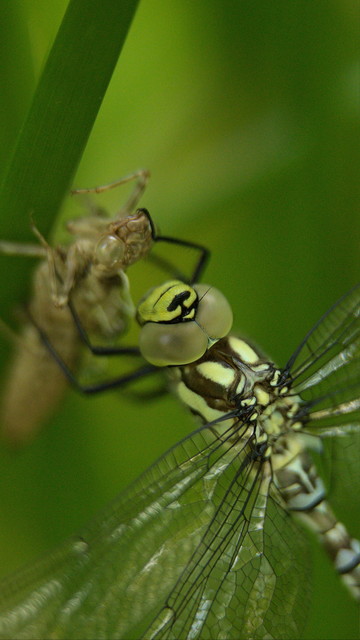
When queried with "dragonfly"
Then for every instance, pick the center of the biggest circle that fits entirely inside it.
(210, 542)
(80, 293)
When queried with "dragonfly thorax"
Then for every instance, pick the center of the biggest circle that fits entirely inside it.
(232, 378)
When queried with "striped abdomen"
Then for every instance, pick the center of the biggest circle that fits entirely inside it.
(304, 493)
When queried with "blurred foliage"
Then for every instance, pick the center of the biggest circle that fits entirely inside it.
(247, 115)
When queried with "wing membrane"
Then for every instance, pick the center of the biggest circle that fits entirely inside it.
(325, 369)
(240, 582)
(186, 552)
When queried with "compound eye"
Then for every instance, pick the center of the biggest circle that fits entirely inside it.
(172, 344)
(179, 322)
(109, 252)
(214, 314)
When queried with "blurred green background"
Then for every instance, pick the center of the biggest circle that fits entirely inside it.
(247, 115)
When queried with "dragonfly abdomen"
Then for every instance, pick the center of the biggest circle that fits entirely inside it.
(343, 550)
(304, 493)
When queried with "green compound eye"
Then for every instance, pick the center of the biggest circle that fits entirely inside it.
(214, 314)
(180, 322)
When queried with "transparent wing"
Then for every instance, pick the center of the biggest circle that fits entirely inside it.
(325, 369)
(339, 464)
(241, 581)
(199, 547)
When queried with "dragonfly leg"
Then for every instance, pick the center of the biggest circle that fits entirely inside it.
(99, 350)
(106, 385)
(201, 262)
(141, 176)
(27, 250)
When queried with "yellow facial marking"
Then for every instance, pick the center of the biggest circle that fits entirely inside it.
(244, 351)
(190, 315)
(167, 303)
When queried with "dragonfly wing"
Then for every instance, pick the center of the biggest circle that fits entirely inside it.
(197, 547)
(341, 471)
(101, 583)
(244, 579)
(325, 369)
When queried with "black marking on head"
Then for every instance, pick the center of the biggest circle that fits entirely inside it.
(178, 300)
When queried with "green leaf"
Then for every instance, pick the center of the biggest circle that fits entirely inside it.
(61, 116)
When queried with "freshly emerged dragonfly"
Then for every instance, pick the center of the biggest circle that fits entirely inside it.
(207, 542)
(79, 290)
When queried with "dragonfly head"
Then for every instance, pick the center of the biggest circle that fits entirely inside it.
(181, 321)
